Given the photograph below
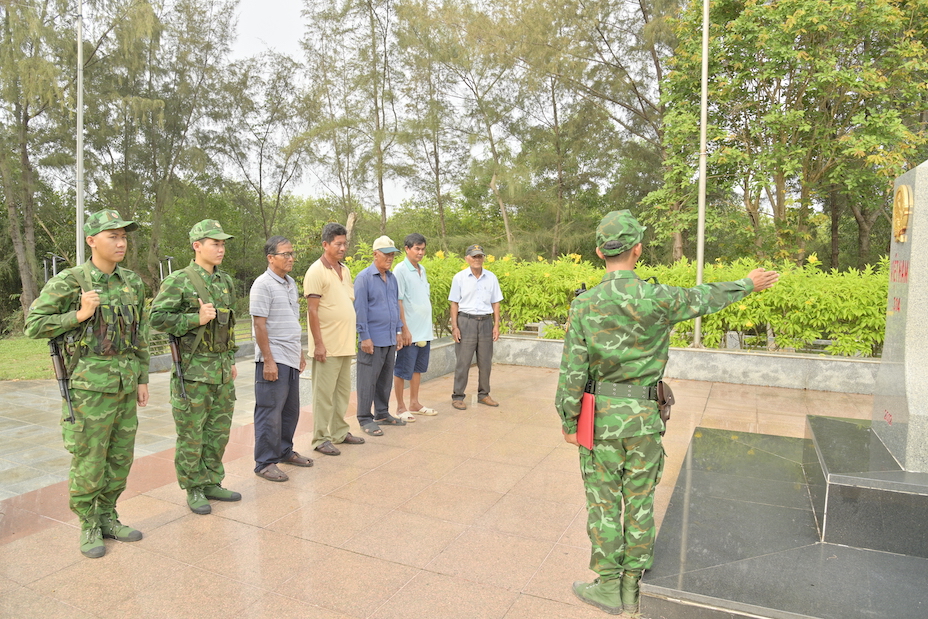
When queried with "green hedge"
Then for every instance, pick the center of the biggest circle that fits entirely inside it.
(808, 304)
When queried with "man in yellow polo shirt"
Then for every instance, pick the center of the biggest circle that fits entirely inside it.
(330, 315)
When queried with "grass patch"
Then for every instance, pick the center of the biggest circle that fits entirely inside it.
(22, 358)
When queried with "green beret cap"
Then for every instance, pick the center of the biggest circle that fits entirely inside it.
(106, 220)
(208, 229)
(618, 232)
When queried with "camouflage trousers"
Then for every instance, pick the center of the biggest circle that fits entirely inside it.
(620, 476)
(202, 421)
(101, 442)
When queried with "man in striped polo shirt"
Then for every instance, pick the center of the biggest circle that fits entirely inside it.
(279, 361)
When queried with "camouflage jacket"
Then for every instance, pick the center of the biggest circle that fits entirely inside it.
(112, 345)
(619, 332)
(176, 310)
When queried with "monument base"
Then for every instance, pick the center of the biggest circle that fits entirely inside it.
(860, 495)
(740, 539)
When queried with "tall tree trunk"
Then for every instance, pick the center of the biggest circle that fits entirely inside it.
(499, 198)
(834, 208)
(752, 207)
(677, 246)
(865, 222)
(439, 197)
(559, 205)
(503, 212)
(30, 290)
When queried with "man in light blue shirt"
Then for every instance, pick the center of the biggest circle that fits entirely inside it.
(416, 313)
(475, 296)
(376, 305)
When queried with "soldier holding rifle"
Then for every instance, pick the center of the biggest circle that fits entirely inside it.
(195, 307)
(97, 313)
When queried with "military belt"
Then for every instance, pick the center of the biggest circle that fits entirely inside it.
(621, 390)
(476, 316)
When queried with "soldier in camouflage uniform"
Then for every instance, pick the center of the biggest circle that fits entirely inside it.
(97, 311)
(195, 304)
(619, 334)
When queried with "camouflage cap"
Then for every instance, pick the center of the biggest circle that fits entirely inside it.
(208, 229)
(474, 250)
(618, 232)
(106, 220)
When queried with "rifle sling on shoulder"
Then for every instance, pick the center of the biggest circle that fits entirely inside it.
(83, 276)
(200, 286)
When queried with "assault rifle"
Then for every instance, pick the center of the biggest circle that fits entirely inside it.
(61, 375)
(174, 344)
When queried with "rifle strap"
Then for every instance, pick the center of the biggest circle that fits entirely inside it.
(200, 286)
(83, 276)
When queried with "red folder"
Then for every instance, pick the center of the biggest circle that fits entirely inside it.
(585, 422)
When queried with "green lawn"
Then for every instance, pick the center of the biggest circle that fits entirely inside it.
(22, 358)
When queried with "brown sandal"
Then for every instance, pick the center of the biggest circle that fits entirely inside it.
(272, 473)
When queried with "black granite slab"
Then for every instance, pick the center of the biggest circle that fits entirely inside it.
(860, 495)
(848, 446)
(739, 540)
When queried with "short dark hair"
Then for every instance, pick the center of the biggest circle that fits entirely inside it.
(620, 257)
(413, 239)
(273, 243)
(332, 230)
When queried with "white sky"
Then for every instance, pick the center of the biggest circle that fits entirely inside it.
(268, 24)
(278, 25)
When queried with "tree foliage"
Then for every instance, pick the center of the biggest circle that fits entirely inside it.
(516, 124)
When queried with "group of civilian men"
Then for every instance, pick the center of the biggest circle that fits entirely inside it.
(384, 317)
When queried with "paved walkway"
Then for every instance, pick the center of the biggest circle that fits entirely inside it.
(476, 513)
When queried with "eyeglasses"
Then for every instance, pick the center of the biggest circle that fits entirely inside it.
(287, 255)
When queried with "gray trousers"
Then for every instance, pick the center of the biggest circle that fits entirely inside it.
(476, 336)
(375, 382)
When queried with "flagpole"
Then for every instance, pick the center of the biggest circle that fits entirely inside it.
(703, 155)
(79, 226)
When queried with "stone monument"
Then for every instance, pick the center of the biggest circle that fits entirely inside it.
(900, 399)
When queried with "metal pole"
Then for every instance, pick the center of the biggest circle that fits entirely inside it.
(703, 156)
(79, 233)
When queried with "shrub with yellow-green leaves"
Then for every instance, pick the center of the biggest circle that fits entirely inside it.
(808, 304)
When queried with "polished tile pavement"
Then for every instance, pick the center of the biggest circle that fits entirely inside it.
(476, 513)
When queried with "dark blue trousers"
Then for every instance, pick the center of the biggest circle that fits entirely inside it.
(277, 411)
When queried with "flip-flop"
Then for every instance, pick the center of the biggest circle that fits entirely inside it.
(372, 428)
(425, 410)
(406, 416)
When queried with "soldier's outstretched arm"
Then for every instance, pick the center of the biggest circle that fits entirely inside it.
(763, 278)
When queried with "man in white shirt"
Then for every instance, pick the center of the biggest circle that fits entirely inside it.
(475, 297)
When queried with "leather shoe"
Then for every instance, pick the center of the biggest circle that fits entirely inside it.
(328, 449)
(487, 400)
(459, 405)
(297, 460)
(353, 440)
